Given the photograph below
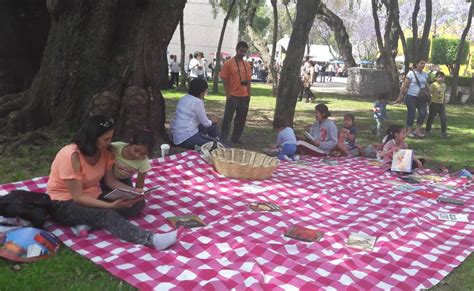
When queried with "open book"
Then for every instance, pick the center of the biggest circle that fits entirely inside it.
(308, 136)
(402, 161)
(127, 194)
(310, 146)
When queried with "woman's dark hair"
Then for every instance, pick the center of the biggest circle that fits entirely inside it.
(144, 137)
(392, 130)
(92, 128)
(420, 60)
(279, 123)
(197, 86)
(323, 109)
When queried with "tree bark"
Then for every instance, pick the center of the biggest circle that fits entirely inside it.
(274, 42)
(183, 77)
(457, 65)
(24, 26)
(290, 82)
(342, 37)
(255, 38)
(217, 69)
(99, 49)
(414, 26)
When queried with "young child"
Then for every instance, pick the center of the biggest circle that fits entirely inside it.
(347, 137)
(437, 106)
(395, 140)
(286, 141)
(132, 158)
(380, 112)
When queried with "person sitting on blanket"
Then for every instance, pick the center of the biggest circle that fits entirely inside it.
(132, 158)
(322, 137)
(191, 126)
(286, 141)
(75, 191)
(395, 140)
(346, 144)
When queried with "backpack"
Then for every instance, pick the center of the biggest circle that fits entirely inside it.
(32, 206)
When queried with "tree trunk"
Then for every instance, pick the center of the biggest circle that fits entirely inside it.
(423, 44)
(414, 26)
(257, 40)
(457, 65)
(217, 69)
(110, 50)
(290, 82)
(342, 38)
(183, 77)
(274, 42)
(24, 26)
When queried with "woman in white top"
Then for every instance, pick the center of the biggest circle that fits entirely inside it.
(190, 125)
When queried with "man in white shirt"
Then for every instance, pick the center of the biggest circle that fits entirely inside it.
(195, 66)
(174, 71)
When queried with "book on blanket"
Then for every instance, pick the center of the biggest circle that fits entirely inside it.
(304, 234)
(361, 241)
(188, 221)
(127, 194)
(264, 206)
(453, 217)
(310, 146)
(402, 161)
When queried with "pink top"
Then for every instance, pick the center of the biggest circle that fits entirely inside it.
(387, 159)
(90, 175)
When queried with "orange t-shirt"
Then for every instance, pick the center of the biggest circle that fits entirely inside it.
(230, 73)
(90, 175)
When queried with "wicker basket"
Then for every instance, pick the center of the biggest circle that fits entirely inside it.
(243, 164)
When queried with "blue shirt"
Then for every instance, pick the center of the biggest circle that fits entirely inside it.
(286, 136)
(382, 113)
(351, 143)
(414, 89)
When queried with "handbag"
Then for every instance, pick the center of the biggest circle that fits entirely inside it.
(424, 94)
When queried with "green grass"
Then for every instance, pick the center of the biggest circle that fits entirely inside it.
(68, 270)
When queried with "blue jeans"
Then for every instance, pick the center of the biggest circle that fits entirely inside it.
(413, 104)
(205, 135)
(288, 150)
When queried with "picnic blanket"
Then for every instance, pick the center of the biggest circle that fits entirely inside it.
(242, 249)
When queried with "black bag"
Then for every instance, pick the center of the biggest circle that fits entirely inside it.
(424, 94)
(32, 206)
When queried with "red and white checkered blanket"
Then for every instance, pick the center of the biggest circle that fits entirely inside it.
(242, 249)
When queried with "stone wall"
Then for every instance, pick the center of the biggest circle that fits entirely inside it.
(367, 82)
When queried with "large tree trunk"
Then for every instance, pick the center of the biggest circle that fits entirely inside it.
(24, 26)
(454, 85)
(257, 40)
(113, 49)
(182, 70)
(290, 82)
(274, 42)
(342, 37)
(217, 69)
(420, 47)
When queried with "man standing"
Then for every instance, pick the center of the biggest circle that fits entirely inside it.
(236, 75)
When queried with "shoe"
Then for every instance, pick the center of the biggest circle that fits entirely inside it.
(418, 134)
(445, 135)
(296, 158)
(411, 134)
(286, 158)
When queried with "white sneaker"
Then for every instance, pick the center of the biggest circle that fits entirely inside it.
(296, 158)
(286, 158)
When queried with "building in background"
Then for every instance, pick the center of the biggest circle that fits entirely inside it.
(202, 31)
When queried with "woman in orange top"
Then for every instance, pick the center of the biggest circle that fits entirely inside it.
(75, 190)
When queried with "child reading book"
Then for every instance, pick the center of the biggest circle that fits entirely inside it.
(347, 137)
(286, 141)
(132, 158)
(322, 137)
(395, 141)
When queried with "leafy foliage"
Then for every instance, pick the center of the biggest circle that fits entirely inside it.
(445, 51)
(425, 52)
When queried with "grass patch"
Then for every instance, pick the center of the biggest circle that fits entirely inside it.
(68, 270)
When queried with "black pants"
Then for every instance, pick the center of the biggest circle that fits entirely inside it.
(437, 109)
(175, 79)
(113, 220)
(239, 106)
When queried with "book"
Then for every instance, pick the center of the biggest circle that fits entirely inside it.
(427, 194)
(308, 136)
(453, 217)
(264, 206)
(410, 179)
(402, 161)
(361, 241)
(120, 193)
(311, 147)
(188, 221)
(304, 234)
(450, 200)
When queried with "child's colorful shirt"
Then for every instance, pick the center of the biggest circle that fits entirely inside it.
(438, 92)
(382, 112)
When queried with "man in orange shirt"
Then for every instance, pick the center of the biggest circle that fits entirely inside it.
(236, 75)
